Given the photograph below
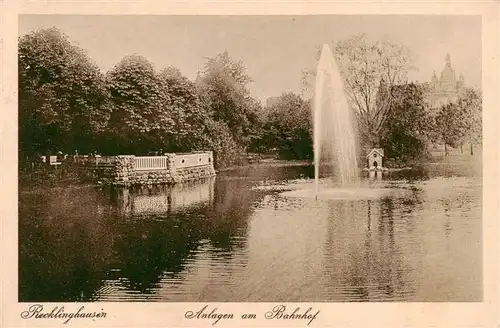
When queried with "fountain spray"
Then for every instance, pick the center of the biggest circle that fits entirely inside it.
(333, 123)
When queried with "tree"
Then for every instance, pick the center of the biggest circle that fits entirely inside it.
(408, 127)
(63, 100)
(223, 88)
(288, 127)
(234, 69)
(186, 111)
(220, 140)
(460, 121)
(142, 107)
(367, 67)
(450, 125)
(470, 102)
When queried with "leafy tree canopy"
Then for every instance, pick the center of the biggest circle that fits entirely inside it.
(63, 98)
(460, 121)
(187, 112)
(223, 88)
(409, 126)
(288, 127)
(141, 104)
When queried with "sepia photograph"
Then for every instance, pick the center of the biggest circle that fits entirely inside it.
(250, 158)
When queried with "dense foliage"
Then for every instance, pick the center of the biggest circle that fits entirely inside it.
(223, 87)
(64, 101)
(140, 106)
(288, 128)
(459, 122)
(409, 127)
(67, 104)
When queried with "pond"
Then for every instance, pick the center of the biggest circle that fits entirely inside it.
(240, 238)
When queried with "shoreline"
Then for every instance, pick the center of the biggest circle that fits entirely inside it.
(272, 162)
(31, 186)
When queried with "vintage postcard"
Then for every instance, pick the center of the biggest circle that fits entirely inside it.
(250, 164)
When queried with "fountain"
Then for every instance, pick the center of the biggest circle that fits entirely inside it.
(334, 134)
(335, 139)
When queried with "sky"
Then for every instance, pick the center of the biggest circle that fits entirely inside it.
(274, 49)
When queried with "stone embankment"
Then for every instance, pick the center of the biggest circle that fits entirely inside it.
(127, 170)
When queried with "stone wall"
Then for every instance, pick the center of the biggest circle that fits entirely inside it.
(124, 170)
(193, 166)
(194, 173)
(152, 177)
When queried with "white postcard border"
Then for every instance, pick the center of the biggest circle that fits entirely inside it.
(483, 314)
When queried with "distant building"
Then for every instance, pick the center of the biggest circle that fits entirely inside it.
(447, 88)
(271, 101)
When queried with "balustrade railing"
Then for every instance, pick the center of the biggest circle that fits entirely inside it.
(150, 163)
(146, 163)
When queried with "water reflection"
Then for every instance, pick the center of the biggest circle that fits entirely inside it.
(224, 240)
(73, 240)
(163, 200)
(65, 243)
(364, 253)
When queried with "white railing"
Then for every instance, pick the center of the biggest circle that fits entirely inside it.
(147, 163)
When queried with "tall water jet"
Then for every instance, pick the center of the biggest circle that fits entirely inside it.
(333, 123)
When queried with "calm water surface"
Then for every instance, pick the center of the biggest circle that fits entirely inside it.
(237, 238)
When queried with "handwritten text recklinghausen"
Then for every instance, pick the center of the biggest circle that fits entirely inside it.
(36, 312)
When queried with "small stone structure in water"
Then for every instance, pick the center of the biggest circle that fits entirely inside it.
(127, 170)
(375, 160)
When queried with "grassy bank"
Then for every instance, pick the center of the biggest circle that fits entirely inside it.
(66, 174)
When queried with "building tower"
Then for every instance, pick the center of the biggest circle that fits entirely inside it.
(448, 81)
(445, 89)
